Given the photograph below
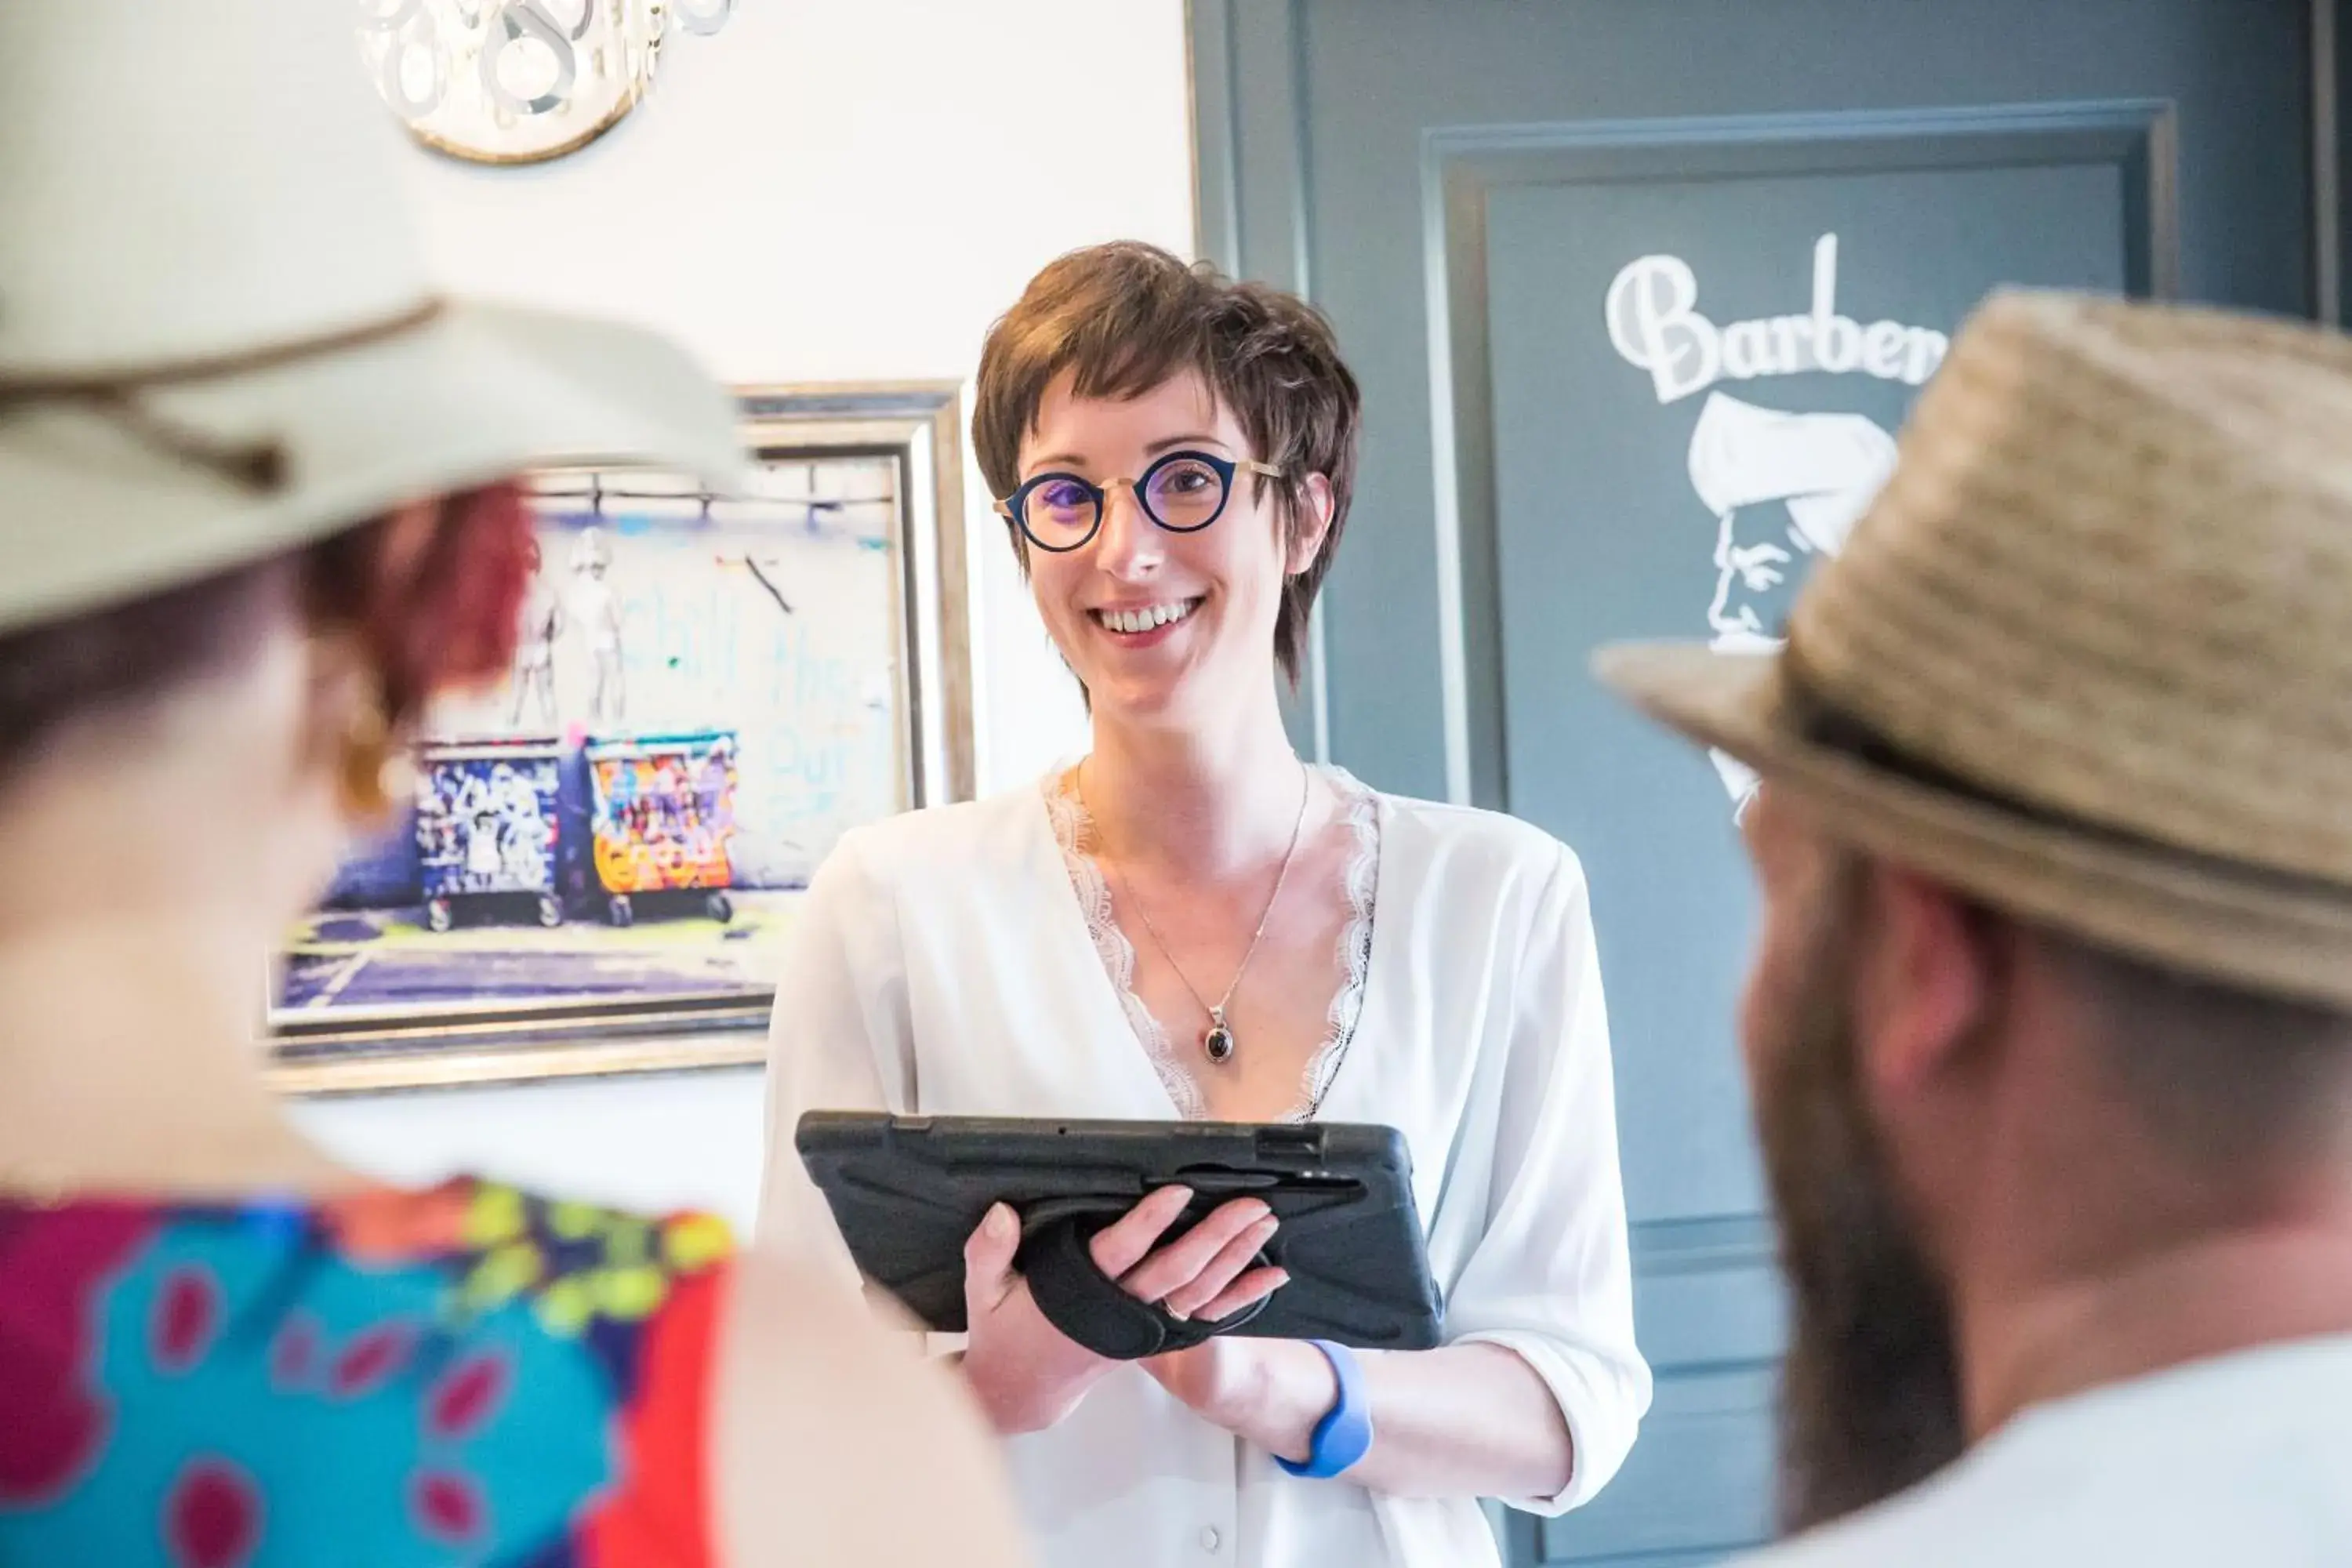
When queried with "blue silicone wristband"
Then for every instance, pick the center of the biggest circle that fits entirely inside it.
(1344, 1436)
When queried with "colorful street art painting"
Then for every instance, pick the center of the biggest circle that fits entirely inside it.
(709, 692)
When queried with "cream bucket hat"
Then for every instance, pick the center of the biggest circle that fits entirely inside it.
(2088, 656)
(217, 337)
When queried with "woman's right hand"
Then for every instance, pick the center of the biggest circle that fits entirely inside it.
(1027, 1373)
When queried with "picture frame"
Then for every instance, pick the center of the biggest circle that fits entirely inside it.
(604, 850)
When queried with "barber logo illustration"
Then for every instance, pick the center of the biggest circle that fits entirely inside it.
(1783, 486)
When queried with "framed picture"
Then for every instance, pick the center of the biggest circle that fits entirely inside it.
(605, 849)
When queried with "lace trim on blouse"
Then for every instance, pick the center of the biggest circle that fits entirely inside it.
(1073, 832)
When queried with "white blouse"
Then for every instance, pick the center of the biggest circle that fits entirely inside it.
(944, 962)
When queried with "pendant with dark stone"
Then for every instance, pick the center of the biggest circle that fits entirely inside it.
(1218, 1042)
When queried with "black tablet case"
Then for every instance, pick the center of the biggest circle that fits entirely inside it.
(907, 1191)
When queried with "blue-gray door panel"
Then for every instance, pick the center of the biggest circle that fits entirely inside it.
(1600, 536)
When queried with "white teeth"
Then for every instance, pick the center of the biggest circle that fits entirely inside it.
(1145, 619)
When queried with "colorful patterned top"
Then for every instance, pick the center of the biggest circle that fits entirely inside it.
(462, 1375)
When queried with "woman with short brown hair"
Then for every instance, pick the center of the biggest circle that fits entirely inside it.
(1191, 922)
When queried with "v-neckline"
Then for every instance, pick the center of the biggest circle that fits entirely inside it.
(1089, 899)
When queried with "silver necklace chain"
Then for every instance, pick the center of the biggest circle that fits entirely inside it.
(1217, 1041)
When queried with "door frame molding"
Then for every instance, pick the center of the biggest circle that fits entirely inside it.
(2331, 158)
(1247, 60)
(1462, 167)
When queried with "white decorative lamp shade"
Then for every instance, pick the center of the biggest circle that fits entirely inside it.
(518, 81)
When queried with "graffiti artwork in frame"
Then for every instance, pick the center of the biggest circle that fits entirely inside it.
(604, 850)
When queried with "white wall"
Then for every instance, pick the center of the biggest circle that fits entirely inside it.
(827, 189)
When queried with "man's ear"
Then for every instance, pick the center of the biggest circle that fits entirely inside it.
(1924, 983)
(1314, 525)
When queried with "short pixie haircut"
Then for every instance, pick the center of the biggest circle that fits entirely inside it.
(1127, 317)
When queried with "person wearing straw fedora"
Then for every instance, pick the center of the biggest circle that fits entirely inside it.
(2050, 1024)
(256, 505)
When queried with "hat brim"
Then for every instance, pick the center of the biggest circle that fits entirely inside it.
(2281, 934)
(477, 392)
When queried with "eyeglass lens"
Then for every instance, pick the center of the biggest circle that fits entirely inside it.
(1182, 492)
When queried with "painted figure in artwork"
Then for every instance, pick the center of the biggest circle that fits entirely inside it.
(597, 609)
(482, 857)
(534, 665)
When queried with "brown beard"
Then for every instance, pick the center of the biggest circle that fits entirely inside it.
(1869, 1394)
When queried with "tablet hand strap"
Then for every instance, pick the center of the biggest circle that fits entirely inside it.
(1086, 1304)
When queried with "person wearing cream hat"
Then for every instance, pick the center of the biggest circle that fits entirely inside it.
(256, 506)
(2050, 1024)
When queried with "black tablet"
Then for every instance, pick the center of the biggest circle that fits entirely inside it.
(907, 1191)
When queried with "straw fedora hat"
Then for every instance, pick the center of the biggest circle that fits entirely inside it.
(217, 336)
(2088, 656)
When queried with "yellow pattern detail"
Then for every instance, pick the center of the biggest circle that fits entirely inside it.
(628, 1241)
(495, 1215)
(504, 1273)
(695, 1240)
(631, 1295)
(566, 1306)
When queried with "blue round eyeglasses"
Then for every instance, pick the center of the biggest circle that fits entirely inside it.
(1182, 491)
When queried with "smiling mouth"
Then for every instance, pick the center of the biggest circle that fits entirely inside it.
(1151, 617)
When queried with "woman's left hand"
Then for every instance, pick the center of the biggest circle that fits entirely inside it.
(1271, 1392)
